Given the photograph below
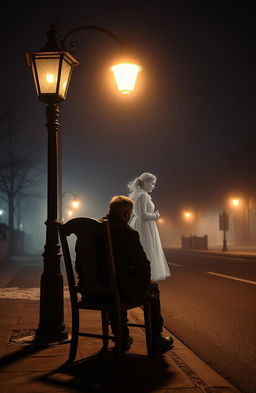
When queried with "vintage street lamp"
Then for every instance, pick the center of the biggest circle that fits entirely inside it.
(52, 68)
(125, 76)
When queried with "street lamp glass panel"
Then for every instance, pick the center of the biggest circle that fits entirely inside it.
(125, 76)
(65, 77)
(47, 71)
(52, 72)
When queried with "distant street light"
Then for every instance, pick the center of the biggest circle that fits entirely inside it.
(52, 68)
(75, 204)
(161, 220)
(1, 212)
(188, 215)
(235, 202)
(70, 213)
(243, 218)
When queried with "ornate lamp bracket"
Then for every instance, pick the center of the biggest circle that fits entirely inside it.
(74, 45)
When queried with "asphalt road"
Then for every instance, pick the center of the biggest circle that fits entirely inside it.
(209, 303)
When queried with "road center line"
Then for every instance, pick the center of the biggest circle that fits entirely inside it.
(232, 278)
(174, 264)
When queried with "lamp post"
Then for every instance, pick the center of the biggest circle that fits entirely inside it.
(52, 68)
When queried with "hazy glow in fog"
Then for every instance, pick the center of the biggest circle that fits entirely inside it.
(235, 202)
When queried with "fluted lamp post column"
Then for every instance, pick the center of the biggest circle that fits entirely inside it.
(52, 67)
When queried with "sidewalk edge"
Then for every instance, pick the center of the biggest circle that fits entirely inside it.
(197, 370)
(214, 253)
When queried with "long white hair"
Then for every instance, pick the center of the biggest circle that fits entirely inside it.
(136, 184)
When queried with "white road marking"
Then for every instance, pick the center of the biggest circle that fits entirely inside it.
(232, 278)
(174, 264)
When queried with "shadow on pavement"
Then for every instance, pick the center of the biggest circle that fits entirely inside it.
(135, 373)
(20, 354)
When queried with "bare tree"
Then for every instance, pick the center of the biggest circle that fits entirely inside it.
(19, 158)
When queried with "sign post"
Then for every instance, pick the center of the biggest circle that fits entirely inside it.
(224, 226)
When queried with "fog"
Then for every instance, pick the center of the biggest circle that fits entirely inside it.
(190, 121)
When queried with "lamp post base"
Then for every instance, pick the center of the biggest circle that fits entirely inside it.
(51, 326)
(225, 248)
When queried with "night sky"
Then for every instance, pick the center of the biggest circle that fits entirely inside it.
(191, 121)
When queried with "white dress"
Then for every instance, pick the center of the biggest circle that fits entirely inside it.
(144, 221)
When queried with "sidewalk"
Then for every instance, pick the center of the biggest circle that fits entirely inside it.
(26, 368)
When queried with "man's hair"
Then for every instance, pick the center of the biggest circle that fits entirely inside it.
(120, 205)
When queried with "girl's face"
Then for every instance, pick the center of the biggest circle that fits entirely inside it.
(149, 185)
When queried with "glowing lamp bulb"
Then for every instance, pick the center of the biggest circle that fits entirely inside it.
(235, 202)
(49, 78)
(126, 75)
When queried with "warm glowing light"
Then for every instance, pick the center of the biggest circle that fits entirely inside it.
(75, 203)
(188, 215)
(160, 220)
(235, 202)
(50, 78)
(70, 213)
(52, 72)
(126, 75)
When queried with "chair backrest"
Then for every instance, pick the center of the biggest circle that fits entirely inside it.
(95, 263)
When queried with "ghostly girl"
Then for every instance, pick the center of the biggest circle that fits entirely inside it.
(144, 221)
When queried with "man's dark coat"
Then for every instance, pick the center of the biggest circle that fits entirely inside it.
(133, 267)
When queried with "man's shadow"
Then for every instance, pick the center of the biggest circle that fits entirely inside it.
(134, 374)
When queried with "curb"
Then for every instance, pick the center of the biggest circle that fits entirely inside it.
(205, 378)
(214, 253)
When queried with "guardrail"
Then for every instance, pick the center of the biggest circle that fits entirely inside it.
(195, 242)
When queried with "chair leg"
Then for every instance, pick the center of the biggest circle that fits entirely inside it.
(105, 327)
(148, 327)
(117, 325)
(74, 334)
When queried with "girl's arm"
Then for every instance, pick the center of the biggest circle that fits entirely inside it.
(142, 209)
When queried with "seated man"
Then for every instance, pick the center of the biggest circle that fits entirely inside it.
(133, 271)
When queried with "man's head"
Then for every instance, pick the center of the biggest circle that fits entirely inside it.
(121, 206)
